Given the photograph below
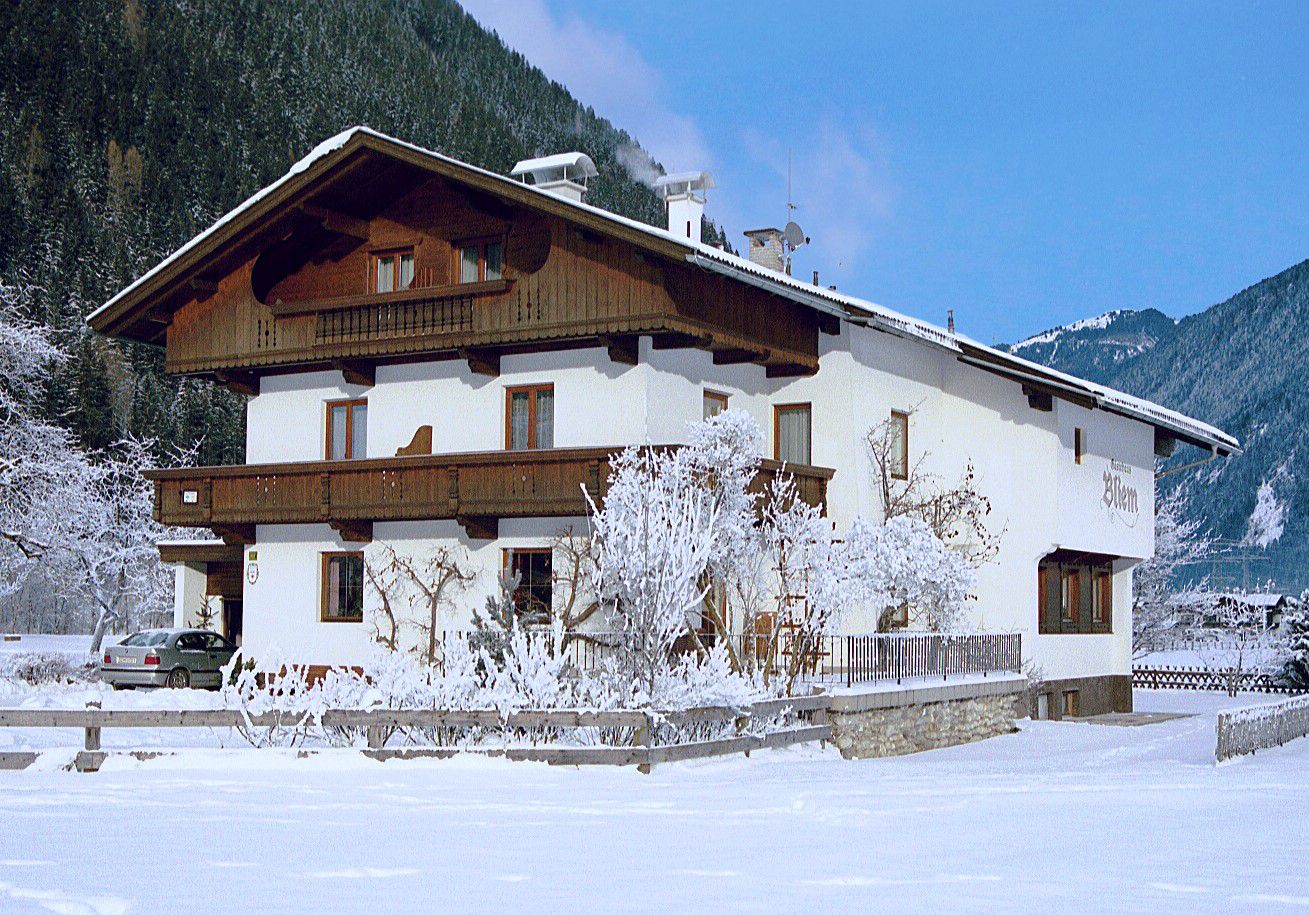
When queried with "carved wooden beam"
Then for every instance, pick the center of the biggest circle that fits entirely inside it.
(480, 527)
(353, 531)
(681, 341)
(1038, 400)
(624, 348)
(235, 534)
(356, 371)
(738, 356)
(481, 361)
(790, 370)
(340, 223)
(201, 288)
(421, 443)
(246, 383)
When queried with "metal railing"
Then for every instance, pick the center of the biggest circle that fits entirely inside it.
(830, 659)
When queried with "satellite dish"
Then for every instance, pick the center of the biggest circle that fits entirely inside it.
(793, 234)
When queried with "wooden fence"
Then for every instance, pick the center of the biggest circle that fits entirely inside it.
(378, 724)
(1202, 678)
(1243, 731)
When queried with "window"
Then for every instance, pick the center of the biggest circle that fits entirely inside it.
(792, 433)
(393, 270)
(347, 430)
(1079, 444)
(533, 568)
(1102, 596)
(714, 403)
(899, 445)
(530, 417)
(480, 260)
(343, 588)
(1075, 593)
(192, 641)
(1072, 704)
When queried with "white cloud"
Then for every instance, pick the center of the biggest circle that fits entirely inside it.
(841, 184)
(602, 69)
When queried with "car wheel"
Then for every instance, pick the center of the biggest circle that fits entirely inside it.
(118, 685)
(178, 678)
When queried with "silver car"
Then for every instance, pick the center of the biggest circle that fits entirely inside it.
(176, 658)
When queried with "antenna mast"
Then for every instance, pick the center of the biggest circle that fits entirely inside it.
(792, 236)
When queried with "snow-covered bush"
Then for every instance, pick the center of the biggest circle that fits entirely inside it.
(40, 668)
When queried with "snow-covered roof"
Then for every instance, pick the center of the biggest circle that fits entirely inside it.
(847, 307)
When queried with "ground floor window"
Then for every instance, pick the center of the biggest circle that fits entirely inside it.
(1072, 704)
(533, 574)
(343, 588)
(1075, 593)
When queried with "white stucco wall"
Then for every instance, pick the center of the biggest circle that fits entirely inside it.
(1041, 498)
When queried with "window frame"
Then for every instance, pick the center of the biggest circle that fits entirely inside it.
(718, 397)
(349, 403)
(325, 559)
(778, 410)
(1075, 595)
(481, 243)
(533, 390)
(397, 252)
(901, 418)
(507, 555)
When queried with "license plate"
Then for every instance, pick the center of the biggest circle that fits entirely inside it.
(127, 660)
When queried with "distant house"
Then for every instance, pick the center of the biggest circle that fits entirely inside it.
(1268, 606)
(437, 355)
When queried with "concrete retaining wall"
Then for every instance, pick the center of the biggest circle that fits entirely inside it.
(896, 722)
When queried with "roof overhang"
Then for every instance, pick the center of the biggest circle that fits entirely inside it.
(143, 309)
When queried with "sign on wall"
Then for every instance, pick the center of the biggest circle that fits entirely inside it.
(1120, 500)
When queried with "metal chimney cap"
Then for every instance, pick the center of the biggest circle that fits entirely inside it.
(681, 183)
(568, 166)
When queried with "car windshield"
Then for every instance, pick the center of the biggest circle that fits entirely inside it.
(144, 639)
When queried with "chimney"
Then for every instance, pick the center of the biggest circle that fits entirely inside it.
(563, 174)
(766, 248)
(684, 195)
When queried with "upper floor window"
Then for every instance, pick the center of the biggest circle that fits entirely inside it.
(1075, 593)
(393, 270)
(480, 260)
(347, 430)
(343, 588)
(899, 445)
(530, 417)
(1079, 444)
(714, 403)
(792, 433)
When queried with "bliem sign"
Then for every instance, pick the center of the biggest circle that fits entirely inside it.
(1121, 501)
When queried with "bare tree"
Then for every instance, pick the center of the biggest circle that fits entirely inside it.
(957, 515)
(1162, 603)
(427, 583)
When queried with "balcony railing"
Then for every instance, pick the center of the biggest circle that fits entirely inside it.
(476, 489)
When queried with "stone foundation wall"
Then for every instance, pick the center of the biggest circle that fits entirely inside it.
(910, 721)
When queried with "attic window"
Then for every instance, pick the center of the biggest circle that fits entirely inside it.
(480, 260)
(393, 270)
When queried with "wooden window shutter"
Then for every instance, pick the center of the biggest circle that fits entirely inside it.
(1048, 596)
(1084, 583)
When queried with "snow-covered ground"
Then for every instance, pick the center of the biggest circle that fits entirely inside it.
(1061, 817)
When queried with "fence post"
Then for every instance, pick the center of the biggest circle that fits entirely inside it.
(642, 739)
(92, 733)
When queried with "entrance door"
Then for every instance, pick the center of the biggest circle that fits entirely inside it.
(232, 608)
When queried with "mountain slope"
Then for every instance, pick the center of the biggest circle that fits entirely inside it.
(1241, 365)
(126, 126)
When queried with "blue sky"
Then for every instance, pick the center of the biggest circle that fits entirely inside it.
(1026, 164)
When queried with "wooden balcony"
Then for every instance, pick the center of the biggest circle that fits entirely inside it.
(476, 489)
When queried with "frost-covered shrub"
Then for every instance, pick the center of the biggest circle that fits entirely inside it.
(38, 668)
(274, 688)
